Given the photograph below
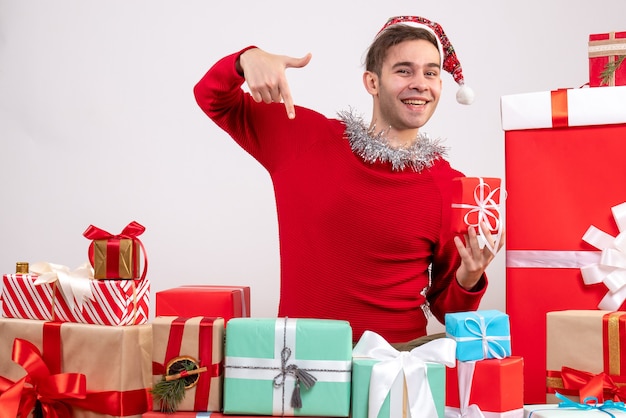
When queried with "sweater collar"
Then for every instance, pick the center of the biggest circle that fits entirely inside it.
(374, 148)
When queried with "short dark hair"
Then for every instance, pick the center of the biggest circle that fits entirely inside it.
(391, 36)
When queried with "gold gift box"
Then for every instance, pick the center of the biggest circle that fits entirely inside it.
(128, 260)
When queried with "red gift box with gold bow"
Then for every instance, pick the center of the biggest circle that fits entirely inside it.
(74, 370)
(117, 256)
(198, 342)
(585, 355)
(564, 169)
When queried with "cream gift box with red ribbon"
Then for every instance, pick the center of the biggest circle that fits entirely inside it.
(198, 342)
(55, 292)
(586, 356)
(565, 171)
(97, 371)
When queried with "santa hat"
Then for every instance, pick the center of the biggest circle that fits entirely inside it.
(450, 62)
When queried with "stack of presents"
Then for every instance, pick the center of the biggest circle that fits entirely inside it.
(82, 343)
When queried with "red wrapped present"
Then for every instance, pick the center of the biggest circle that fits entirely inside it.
(607, 59)
(53, 292)
(204, 300)
(585, 355)
(117, 256)
(190, 344)
(564, 171)
(496, 386)
(78, 370)
(476, 200)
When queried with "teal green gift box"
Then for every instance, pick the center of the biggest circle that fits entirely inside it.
(387, 383)
(287, 366)
(395, 402)
(479, 335)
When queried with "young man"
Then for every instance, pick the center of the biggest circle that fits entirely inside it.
(363, 210)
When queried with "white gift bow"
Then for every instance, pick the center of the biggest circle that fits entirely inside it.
(465, 371)
(411, 364)
(611, 268)
(75, 285)
(488, 212)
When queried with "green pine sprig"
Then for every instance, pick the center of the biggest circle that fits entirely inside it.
(171, 392)
(609, 69)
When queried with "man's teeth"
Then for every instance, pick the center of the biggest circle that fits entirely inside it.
(414, 102)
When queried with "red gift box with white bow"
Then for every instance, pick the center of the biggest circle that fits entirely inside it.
(565, 171)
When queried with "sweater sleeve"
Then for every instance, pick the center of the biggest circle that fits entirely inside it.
(446, 295)
(261, 129)
(221, 98)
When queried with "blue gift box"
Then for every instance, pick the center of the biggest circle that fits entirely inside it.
(479, 335)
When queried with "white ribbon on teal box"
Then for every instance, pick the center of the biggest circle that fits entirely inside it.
(479, 335)
(268, 361)
(387, 383)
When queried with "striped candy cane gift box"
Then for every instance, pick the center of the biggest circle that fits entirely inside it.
(54, 293)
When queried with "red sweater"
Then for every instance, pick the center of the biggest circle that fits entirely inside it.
(356, 239)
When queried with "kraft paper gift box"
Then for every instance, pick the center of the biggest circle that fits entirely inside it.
(117, 256)
(272, 363)
(114, 362)
(385, 381)
(585, 355)
(479, 334)
(495, 386)
(204, 300)
(59, 294)
(606, 52)
(564, 171)
(199, 340)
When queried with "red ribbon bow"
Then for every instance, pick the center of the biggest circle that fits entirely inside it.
(601, 385)
(53, 391)
(131, 231)
(57, 393)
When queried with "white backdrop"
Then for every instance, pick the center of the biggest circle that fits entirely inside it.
(98, 124)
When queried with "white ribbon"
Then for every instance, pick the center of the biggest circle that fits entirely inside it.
(465, 371)
(611, 267)
(488, 211)
(550, 259)
(75, 285)
(478, 327)
(409, 364)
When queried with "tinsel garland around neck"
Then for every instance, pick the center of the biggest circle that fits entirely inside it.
(375, 147)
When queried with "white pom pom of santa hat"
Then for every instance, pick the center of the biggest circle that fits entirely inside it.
(449, 60)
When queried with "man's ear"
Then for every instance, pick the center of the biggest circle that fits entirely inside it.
(370, 81)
